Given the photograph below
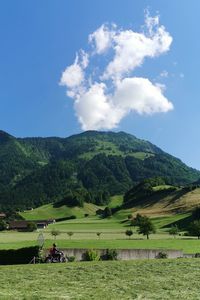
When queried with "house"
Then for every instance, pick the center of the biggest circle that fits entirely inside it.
(23, 224)
(18, 225)
(51, 221)
(41, 225)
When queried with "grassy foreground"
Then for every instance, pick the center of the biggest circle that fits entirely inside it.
(144, 279)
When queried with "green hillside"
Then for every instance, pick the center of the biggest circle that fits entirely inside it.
(48, 211)
(152, 197)
(38, 171)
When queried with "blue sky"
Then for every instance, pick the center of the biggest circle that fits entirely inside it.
(40, 39)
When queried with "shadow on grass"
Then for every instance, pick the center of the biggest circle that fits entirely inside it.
(177, 196)
(182, 224)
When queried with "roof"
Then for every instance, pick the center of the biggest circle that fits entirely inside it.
(18, 224)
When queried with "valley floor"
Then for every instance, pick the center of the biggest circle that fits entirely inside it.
(144, 279)
(112, 235)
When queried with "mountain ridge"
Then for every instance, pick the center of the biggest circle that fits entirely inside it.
(35, 171)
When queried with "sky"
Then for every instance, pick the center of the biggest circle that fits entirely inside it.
(120, 65)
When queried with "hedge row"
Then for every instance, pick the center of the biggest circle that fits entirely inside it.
(18, 256)
(65, 218)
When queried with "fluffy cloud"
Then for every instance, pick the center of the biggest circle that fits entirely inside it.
(141, 96)
(101, 39)
(101, 101)
(131, 48)
(73, 75)
(95, 109)
(131, 94)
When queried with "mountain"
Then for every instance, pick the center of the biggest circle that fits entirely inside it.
(35, 171)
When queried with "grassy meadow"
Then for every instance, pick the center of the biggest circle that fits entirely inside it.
(142, 279)
(18, 240)
(112, 229)
(112, 235)
(139, 279)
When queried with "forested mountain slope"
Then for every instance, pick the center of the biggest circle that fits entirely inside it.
(34, 171)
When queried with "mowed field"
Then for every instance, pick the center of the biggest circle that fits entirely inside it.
(112, 230)
(112, 235)
(141, 279)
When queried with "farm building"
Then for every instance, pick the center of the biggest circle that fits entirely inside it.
(18, 225)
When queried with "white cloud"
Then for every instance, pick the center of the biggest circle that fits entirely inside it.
(141, 96)
(107, 92)
(72, 76)
(84, 59)
(97, 110)
(132, 47)
(101, 39)
(151, 22)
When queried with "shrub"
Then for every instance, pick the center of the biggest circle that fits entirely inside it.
(31, 226)
(91, 255)
(65, 218)
(70, 233)
(194, 229)
(107, 212)
(3, 225)
(174, 230)
(18, 256)
(99, 212)
(55, 232)
(99, 234)
(129, 233)
(71, 258)
(161, 255)
(111, 254)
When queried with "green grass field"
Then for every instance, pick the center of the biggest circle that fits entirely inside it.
(108, 239)
(112, 233)
(112, 230)
(143, 279)
(49, 212)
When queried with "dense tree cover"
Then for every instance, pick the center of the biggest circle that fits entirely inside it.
(194, 228)
(35, 171)
(145, 189)
(75, 197)
(196, 213)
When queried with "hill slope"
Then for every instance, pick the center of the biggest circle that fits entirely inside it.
(35, 171)
(151, 198)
